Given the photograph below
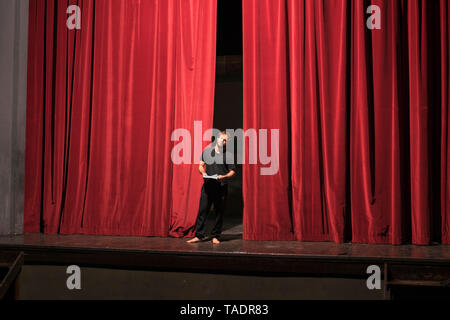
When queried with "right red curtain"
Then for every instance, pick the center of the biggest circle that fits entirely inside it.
(359, 93)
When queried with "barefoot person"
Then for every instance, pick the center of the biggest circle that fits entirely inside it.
(213, 191)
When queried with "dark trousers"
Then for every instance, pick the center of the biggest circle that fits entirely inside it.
(212, 193)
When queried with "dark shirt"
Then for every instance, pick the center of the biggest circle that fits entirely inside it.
(217, 168)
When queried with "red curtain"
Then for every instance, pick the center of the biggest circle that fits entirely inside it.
(102, 104)
(363, 120)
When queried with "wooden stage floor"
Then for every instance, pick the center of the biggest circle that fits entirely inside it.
(401, 266)
(232, 245)
(232, 255)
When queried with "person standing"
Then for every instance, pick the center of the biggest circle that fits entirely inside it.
(214, 191)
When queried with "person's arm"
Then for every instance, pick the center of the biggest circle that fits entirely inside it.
(230, 174)
(202, 168)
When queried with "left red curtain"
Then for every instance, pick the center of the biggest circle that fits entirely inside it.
(103, 101)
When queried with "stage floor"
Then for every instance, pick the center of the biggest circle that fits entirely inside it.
(231, 246)
(400, 266)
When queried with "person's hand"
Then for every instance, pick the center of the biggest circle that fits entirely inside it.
(204, 174)
(220, 177)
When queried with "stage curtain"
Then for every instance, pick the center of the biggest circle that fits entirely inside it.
(103, 102)
(363, 120)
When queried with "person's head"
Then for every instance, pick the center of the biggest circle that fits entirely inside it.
(222, 139)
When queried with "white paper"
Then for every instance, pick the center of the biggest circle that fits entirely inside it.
(215, 177)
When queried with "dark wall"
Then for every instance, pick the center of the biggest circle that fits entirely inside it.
(228, 105)
(228, 98)
(229, 27)
(49, 282)
(228, 115)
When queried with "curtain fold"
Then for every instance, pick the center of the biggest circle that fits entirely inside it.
(266, 214)
(445, 120)
(363, 120)
(102, 104)
(194, 102)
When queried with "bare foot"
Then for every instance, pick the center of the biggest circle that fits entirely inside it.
(215, 241)
(194, 240)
